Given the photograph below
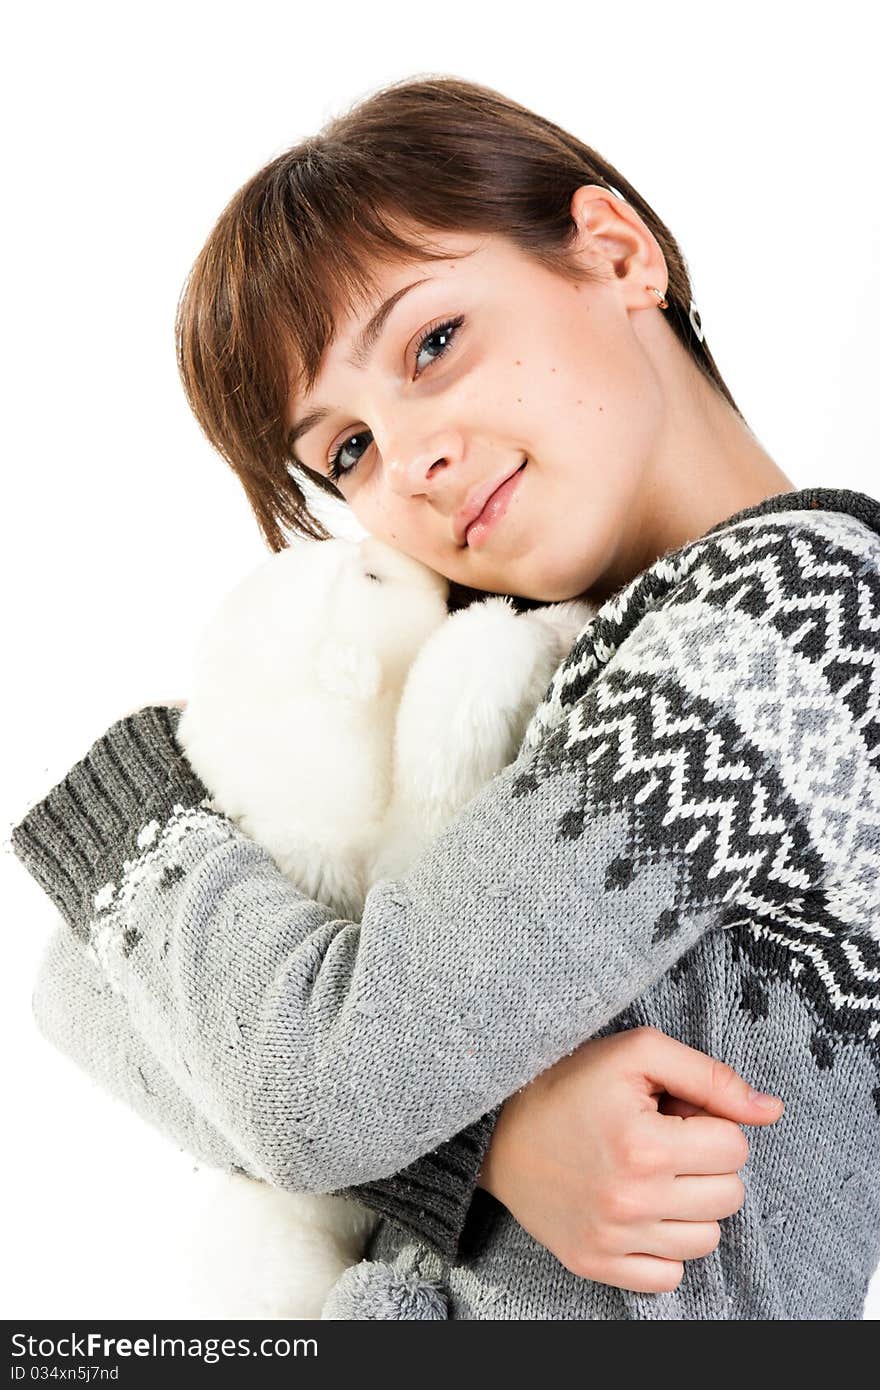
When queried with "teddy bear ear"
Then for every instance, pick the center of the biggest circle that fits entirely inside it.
(348, 670)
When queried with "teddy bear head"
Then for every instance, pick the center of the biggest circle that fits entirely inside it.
(378, 608)
(293, 701)
(320, 620)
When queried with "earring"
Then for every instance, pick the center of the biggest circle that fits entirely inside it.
(694, 316)
(662, 302)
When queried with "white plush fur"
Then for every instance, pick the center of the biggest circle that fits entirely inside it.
(342, 717)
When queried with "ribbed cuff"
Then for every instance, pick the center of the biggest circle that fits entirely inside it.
(433, 1199)
(77, 837)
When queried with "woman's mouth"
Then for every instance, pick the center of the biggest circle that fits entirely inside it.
(493, 510)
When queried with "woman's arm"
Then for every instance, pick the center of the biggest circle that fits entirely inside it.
(566, 1156)
(662, 805)
(76, 1010)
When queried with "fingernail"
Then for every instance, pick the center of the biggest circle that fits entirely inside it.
(765, 1101)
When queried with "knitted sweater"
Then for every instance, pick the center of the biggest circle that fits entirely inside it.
(689, 838)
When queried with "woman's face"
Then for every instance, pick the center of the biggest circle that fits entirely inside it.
(490, 365)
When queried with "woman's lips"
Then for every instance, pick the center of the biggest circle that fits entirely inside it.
(493, 510)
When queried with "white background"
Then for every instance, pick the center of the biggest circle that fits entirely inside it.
(749, 127)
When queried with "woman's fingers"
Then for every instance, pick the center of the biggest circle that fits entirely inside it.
(674, 1241)
(711, 1085)
(640, 1273)
(703, 1144)
(681, 1240)
(705, 1199)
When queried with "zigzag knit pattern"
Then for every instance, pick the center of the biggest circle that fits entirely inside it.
(703, 801)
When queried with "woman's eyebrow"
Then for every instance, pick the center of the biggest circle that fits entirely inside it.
(369, 335)
(360, 356)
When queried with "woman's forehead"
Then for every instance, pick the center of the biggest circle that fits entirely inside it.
(443, 252)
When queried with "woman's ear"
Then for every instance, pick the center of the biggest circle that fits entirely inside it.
(612, 235)
(348, 670)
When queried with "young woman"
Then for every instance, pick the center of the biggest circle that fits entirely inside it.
(463, 322)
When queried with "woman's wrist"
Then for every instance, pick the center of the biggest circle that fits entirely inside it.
(489, 1176)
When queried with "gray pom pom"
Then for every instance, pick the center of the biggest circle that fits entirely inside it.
(374, 1290)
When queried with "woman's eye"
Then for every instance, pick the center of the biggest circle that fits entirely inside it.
(442, 334)
(338, 469)
(435, 341)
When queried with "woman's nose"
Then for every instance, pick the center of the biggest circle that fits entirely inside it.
(415, 459)
(416, 450)
(416, 472)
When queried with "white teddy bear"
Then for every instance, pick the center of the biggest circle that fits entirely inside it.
(341, 716)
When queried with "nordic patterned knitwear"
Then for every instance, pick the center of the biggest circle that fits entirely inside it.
(689, 839)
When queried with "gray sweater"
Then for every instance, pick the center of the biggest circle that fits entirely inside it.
(689, 838)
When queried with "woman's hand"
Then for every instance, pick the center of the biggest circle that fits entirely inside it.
(616, 1179)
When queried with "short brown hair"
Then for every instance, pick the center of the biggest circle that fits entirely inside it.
(302, 238)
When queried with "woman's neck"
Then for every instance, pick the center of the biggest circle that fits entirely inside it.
(706, 466)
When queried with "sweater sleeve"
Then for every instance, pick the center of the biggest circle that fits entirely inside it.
(77, 1011)
(670, 793)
